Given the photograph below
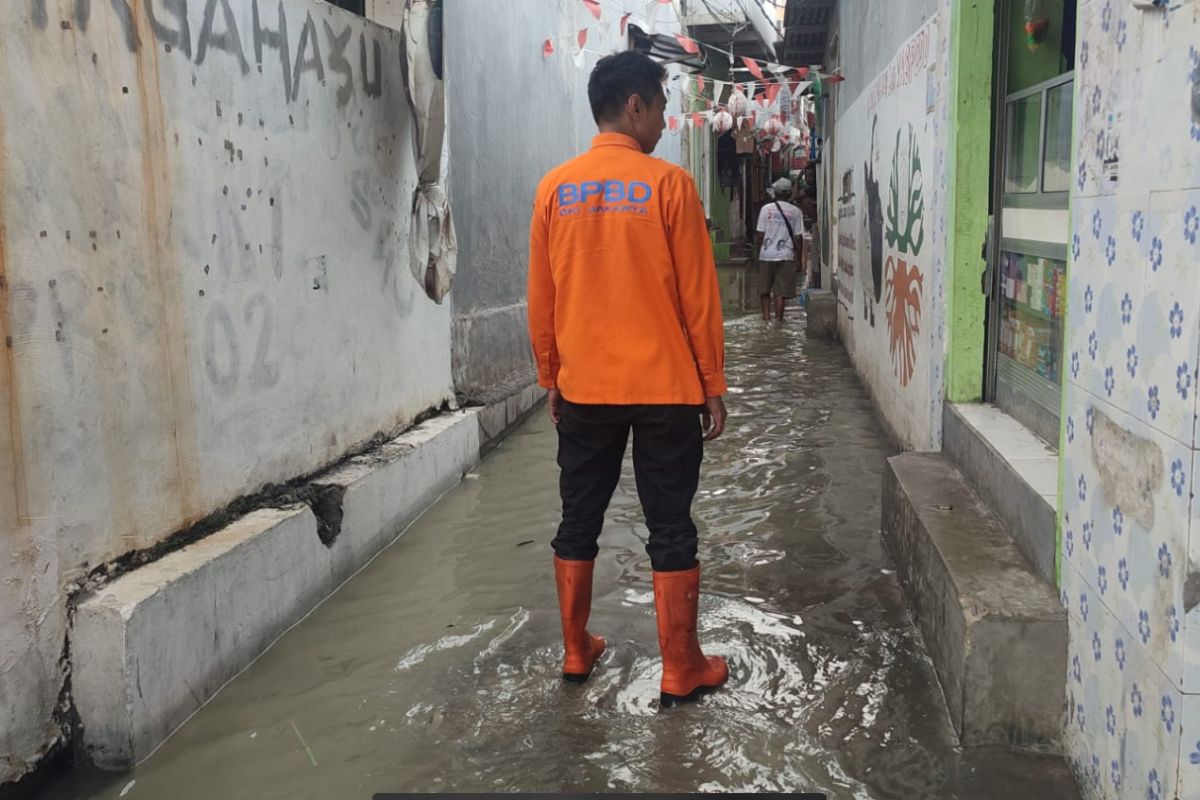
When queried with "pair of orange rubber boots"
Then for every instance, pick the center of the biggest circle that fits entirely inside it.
(687, 672)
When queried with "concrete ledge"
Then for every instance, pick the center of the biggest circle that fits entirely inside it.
(498, 418)
(822, 315)
(153, 646)
(995, 630)
(1013, 470)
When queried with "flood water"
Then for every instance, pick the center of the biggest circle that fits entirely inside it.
(437, 667)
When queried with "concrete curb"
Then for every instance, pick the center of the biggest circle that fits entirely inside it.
(153, 646)
(497, 419)
(822, 315)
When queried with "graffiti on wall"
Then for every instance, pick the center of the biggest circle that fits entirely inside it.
(873, 229)
(847, 241)
(892, 229)
(905, 238)
(887, 140)
(219, 32)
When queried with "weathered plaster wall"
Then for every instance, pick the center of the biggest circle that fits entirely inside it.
(204, 284)
(515, 114)
(889, 226)
(1130, 453)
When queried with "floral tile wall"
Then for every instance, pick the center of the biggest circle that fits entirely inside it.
(1130, 578)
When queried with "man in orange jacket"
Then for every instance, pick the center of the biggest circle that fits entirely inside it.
(625, 320)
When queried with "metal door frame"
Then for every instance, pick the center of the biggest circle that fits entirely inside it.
(1001, 98)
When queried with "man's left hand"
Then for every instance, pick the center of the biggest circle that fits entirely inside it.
(713, 417)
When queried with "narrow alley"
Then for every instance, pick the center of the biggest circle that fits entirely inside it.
(436, 667)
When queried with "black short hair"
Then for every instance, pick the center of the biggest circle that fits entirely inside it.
(619, 76)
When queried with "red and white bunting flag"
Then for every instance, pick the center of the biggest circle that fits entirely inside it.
(802, 72)
(697, 119)
(594, 7)
(772, 93)
(547, 48)
(700, 82)
(687, 44)
(753, 66)
(625, 23)
(580, 54)
(673, 124)
(833, 78)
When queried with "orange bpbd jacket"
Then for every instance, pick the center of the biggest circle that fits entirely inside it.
(624, 306)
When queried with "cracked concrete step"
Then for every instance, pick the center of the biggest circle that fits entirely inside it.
(995, 630)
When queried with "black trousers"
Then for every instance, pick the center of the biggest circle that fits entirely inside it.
(667, 449)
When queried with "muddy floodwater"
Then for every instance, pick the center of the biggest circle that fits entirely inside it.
(437, 667)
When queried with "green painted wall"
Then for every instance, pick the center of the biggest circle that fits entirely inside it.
(971, 43)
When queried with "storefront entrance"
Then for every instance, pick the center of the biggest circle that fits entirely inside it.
(1027, 262)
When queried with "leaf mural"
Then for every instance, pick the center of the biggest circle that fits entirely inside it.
(914, 199)
(902, 303)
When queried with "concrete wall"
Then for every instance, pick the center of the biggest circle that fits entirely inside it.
(515, 114)
(1131, 538)
(203, 284)
(890, 132)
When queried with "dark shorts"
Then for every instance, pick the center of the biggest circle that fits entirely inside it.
(777, 278)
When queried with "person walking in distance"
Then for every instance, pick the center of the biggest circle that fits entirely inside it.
(780, 249)
(625, 323)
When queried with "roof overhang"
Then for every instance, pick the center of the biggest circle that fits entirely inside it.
(665, 49)
(806, 27)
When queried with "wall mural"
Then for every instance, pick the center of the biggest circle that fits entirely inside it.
(905, 235)
(873, 228)
(886, 253)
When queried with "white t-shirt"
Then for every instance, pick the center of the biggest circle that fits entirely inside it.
(777, 244)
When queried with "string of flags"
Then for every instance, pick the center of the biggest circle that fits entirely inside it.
(756, 67)
(767, 109)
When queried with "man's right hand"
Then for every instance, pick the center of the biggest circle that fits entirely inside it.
(713, 417)
(554, 405)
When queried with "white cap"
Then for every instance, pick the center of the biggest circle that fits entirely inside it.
(782, 186)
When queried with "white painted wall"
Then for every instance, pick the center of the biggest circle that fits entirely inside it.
(892, 306)
(514, 115)
(203, 285)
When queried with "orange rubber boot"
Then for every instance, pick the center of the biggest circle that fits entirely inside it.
(687, 672)
(582, 650)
